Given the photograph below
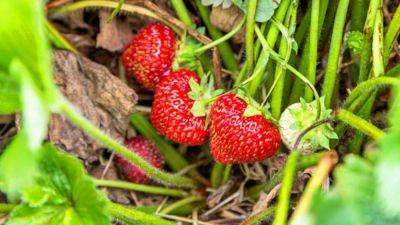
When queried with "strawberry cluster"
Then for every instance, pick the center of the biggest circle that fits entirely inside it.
(187, 109)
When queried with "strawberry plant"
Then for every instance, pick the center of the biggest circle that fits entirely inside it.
(199, 112)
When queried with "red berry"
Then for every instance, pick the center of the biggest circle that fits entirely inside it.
(145, 149)
(150, 54)
(239, 139)
(171, 115)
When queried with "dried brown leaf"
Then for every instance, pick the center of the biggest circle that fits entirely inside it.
(114, 35)
(227, 19)
(101, 97)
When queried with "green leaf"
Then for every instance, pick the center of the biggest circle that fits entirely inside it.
(23, 37)
(388, 175)
(331, 209)
(365, 193)
(265, 8)
(18, 168)
(35, 112)
(63, 194)
(9, 94)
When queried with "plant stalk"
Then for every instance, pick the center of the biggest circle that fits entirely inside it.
(141, 188)
(321, 173)
(169, 179)
(129, 215)
(249, 38)
(181, 203)
(181, 11)
(225, 50)
(282, 207)
(360, 124)
(330, 81)
(313, 50)
(173, 159)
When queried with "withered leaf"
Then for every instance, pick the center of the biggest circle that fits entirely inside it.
(101, 97)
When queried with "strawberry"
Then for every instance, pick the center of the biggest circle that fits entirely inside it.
(297, 118)
(145, 149)
(179, 107)
(240, 138)
(150, 54)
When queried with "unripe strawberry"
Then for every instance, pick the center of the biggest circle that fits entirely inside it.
(146, 150)
(298, 117)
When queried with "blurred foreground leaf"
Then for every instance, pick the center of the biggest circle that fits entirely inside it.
(62, 194)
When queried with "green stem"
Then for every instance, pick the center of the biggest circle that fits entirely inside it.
(216, 174)
(319, 176)
(227, 54)
(391, 34)
(221, 39)
(249, 38)
(271, 38)
(367, 86)
(326, 31)
(57, 39)
(257, 77)
(333, 59)
(359, 101)
(365, 61)
(181, 11)
(141, 188)
(184, 15)
(303, 27)
(285, 49)
(132, 216)
(107, 4)
(6, 208)
(227, 174)
(364, 113)
(242, 74)
(71, 113)
(173, 159)
(358, 14)
(116, 10)
(282, 207)
(360, 124)
(377, 46)
(359, 10)
(180, 203)
(393, 72)
(298, 87)
(313, 50)
(257, 45)
(276, 57)
(279, 16)
(260, 217)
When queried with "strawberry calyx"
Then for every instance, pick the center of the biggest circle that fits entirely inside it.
(300, 116)
(185, 55)
(203, 94)
(254, 108)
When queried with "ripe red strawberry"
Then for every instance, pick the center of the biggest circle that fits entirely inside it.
(145, 149)
(236, 138)
(171, 113)
(150, 54)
